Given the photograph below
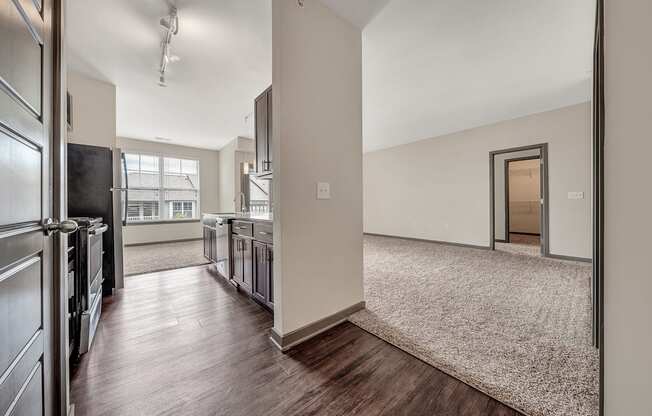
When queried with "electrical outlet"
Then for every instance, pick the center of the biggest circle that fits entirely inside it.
(323, 190)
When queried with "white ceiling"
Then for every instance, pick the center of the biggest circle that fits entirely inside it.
(358, 12)
(226, 61)
(432, 67)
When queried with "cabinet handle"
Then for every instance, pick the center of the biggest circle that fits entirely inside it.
(266, 164)
(264, 233)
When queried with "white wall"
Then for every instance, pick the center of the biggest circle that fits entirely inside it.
(317, 138)
(438, 188)
(94, 111)
(499, 187)
(628, 224)
(237, 151)
(208, 199)
(227, 177)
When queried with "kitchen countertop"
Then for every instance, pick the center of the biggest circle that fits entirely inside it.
(249, 216)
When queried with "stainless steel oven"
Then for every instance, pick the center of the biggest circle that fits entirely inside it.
(91, 254)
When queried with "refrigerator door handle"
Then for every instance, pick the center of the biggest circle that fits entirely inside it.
(126, 190)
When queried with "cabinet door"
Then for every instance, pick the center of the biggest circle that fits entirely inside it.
(269, 130)
(261, 132)
(237, 260)
(260, 272)
(247, 265)
(270, 276)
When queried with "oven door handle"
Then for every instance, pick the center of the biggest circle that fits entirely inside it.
(98, 231)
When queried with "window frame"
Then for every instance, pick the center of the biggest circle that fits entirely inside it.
(164, 217)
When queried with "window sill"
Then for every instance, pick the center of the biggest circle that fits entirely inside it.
(161, 222)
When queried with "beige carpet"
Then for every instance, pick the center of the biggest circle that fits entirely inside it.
(165, 256)
(515, 326)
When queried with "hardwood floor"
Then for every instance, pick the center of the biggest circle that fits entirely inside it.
(184, 342)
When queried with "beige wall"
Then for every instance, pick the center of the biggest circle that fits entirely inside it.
(628, 224)
(237, 151)
(317, 138)
(227, 177)
(94, 111)
(438, 188)
(208, 183)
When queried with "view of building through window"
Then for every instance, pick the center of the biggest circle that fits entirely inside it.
(162, 188)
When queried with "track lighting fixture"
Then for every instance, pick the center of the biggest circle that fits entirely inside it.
(171, 25)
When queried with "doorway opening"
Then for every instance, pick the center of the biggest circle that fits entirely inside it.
(523, 202)
(519, 203)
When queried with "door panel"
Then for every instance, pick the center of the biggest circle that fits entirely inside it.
(20, 374)
(260, 272)
(26, 254)
(21, 169)
(270, 276)
(21, 34)
(29, 397)
(247, 272)
(237, 260)
(20, 309)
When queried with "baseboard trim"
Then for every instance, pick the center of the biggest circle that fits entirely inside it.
(150, 243)
(569, 258)
(423, 240)
(298, 336)
(500, 241)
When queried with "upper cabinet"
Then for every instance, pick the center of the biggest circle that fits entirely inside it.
(263, 112)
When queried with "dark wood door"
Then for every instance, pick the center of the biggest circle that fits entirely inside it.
(270, 276)
(261, 132)
(27, 300)
(260, 272)
(247, 264)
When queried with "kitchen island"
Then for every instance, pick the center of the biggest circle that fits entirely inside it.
(241, 246)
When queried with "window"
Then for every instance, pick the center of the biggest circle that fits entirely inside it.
(162, 188)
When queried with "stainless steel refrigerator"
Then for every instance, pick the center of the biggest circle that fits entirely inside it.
(96, 184)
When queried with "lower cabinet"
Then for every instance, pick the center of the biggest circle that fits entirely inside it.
(252, 254)
(263, 288)
(242, 262)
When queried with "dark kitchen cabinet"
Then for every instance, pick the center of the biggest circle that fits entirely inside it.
(242, 262)
(263, 114)
(263, 274)
(270, 277)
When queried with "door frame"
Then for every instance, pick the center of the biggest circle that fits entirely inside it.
(507, 162)
(61, 376)
(545, 209)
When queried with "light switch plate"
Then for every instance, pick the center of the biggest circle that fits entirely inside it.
(323, 190)
(576, 195)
